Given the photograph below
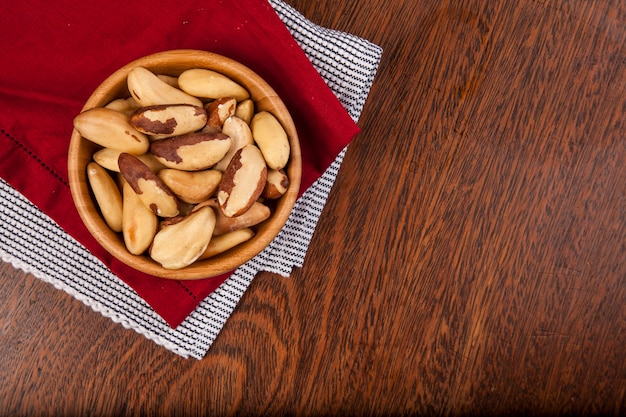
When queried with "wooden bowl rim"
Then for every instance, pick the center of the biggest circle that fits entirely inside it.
(173, 62)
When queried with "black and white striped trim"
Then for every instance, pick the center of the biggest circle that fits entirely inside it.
(31, 241)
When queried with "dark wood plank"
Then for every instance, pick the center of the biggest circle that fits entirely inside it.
(471, 258)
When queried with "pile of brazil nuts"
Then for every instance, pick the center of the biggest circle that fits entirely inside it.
(186, 164)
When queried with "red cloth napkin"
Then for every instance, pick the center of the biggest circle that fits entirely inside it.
(55, 54)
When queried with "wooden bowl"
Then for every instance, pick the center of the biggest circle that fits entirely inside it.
(174, 63)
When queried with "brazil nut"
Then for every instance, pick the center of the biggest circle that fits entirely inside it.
(180, 243)
(271, 139)
(191, 186)
(107, 195)
(169, 119)
(191, 152)
(242, 182)
(111, 129)
(139, 223)
(148, 186)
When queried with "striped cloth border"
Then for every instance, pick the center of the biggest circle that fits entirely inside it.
(33, 242)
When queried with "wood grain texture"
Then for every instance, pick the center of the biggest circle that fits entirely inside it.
(471, 259)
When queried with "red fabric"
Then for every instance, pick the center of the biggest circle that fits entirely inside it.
(55, 54)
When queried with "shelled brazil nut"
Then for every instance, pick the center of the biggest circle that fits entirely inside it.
(194, 178)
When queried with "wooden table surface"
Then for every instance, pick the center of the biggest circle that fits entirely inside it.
(471, 258)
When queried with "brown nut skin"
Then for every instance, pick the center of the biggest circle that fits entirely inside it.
(256, 214)
(148, 186)
(219, 110)
(191, 152)
(180, 242)
(169, 119)
(277, 184)
(242, 182)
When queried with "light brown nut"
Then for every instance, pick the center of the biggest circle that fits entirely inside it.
(242, 182)
(139, 223)
(240, 134)
(181, 242)
(191, 152)
(185, 208)
(219, 110)
(169, 119)
(222, 243)
(211, 129)
(148, 186)
(107, 158)
(245, 110)
(256, 214)
(124, 105)
(191, 187)
(149, 90)
(277, 184)
(107, 195)
(169, 79)
(271, 139)
(111, 129)
(205, 83)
